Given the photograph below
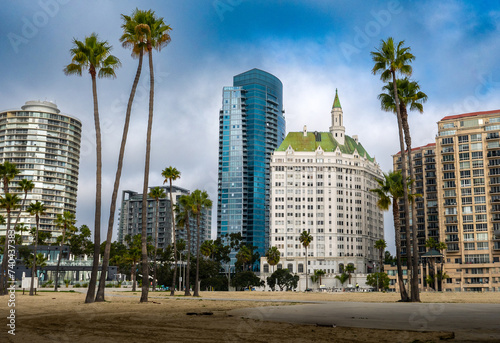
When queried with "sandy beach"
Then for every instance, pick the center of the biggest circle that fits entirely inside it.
(64, 317)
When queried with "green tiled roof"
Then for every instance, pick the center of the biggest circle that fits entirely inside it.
(309, 143)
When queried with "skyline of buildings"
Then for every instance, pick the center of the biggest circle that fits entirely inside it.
(251, 127)
(321, 184)
(44, 144)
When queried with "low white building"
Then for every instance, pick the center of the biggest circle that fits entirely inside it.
(320, 183)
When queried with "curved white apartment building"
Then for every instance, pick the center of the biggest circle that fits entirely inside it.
(44, 144)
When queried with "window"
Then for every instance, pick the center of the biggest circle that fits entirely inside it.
(469, 246)
(463, 147)
(481, 218)
(464, 156)
(475, 137)
(468, 237)
(482, 236)
(476, 155)
(482, 245)
(476, 146)
(464, 165)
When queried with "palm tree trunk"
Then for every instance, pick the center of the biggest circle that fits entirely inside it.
(174, 277)
(306, 268)
(188, 262)
(415, 296)
(145, 265)
(133, 277)
(156, 243)
(397, 223)
(97, 222)
(33, 267)
(196, 280)
(403, 169)
(105, 261)
(56, 286)
(3, 273)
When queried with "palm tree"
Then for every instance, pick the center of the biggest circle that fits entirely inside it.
(94, 55)
(350, 269)
(342, 278)
(184, 209)
(201, 203)
(273, 256)
(156, 37)
(134, 30)
(36, 209)
(156, 193)
(172, 174)
(389, 60)
(380, 245)
(8, 171)
(66, 221)
(318, 273)
(133, 255)
(409, 94)
(9, 202)
(25, 186)
(441, 247)
(390, 191)
(21, 227)
(306, 239)
(208, 248)
(244, 256)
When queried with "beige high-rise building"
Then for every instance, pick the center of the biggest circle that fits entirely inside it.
(320, 183)
(467, 174)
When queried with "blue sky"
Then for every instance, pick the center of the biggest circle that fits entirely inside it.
(314, 47)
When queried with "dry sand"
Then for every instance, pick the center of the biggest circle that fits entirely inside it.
(63, 317)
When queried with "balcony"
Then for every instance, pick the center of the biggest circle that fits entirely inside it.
(496, 246)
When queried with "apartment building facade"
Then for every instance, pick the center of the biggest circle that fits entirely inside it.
(467, 174)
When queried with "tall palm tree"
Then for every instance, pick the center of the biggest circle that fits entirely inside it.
(172, 174)
(306, 239)
(409, 94)
(156, 193)
(8, 171)
(36, 209)
(184, 209)
(9, 202)
(391, 59)
(134, 31)
(201, 203)
(156, 37)
(94, 55)
(66, 221)
(273, 256)
(380, 245)
(24, 186)
(390, 191)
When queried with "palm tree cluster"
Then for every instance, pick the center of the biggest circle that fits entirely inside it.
(143, 32)
(391, 60)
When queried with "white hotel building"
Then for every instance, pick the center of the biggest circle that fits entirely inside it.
(321, 182)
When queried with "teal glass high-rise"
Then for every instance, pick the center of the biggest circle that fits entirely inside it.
(251, 127)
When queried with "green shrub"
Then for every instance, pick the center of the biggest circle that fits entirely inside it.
(76, 285)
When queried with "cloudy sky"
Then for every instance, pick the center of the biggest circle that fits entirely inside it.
(314, 47)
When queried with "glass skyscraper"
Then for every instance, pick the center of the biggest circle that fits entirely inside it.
(251, 127)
